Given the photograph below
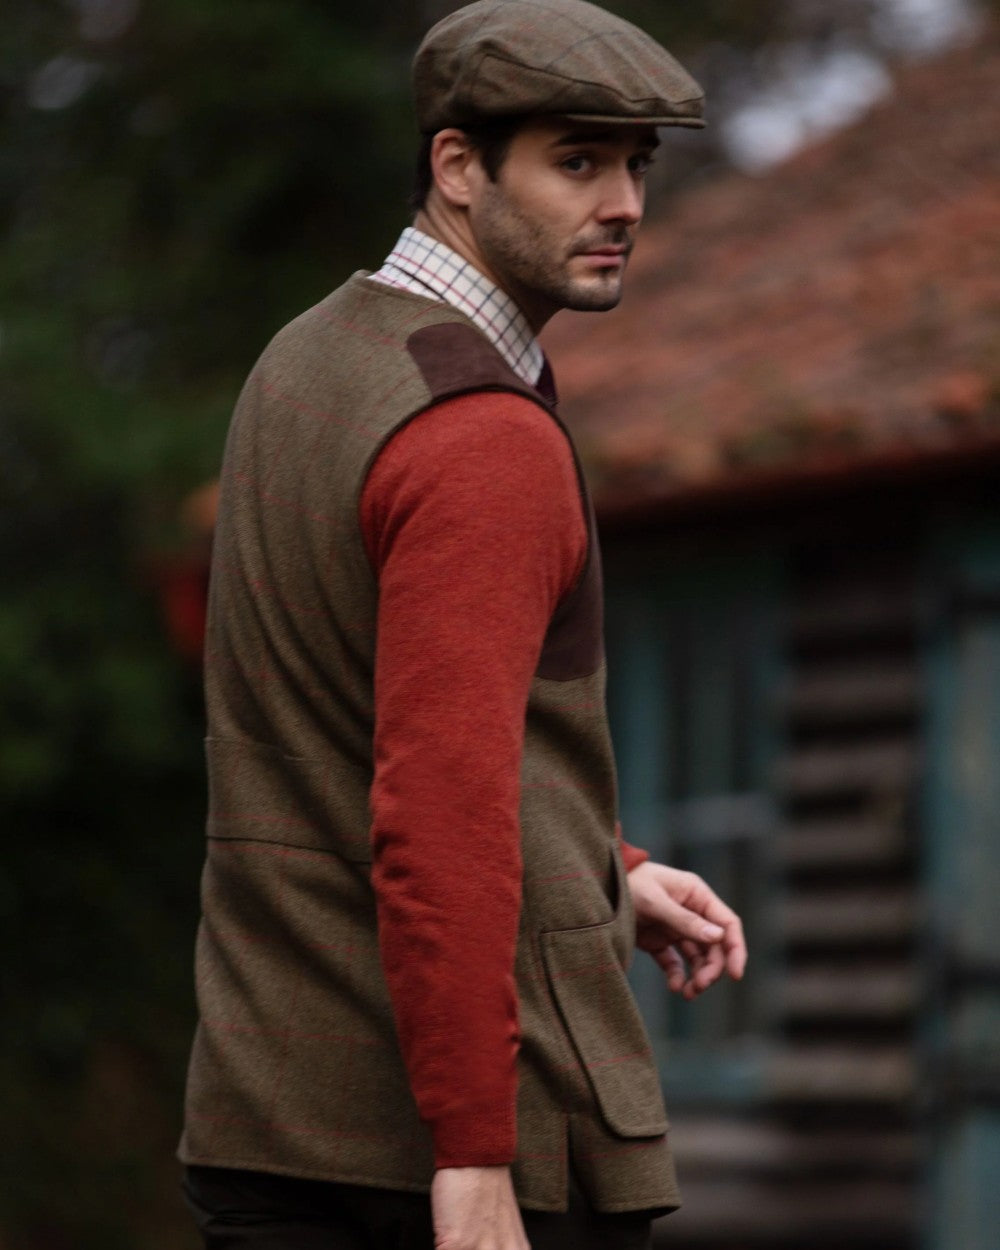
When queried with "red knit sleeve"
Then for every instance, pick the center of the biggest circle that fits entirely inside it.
(632, 856)
(473, 522)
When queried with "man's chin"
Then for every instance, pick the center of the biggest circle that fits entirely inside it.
(594, 300)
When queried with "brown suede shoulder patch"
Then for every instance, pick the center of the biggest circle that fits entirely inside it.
(574, 641)
(455, 359)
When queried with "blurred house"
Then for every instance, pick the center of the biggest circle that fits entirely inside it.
(793, 428)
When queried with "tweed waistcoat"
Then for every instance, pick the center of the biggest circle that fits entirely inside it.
(296, 1067)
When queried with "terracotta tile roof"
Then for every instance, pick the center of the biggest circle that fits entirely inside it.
(842, 309)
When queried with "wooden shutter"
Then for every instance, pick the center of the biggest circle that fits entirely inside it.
(769, 735)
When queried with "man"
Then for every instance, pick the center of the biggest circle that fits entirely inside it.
(417, 915)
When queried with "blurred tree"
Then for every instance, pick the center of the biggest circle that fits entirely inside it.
(176, 180)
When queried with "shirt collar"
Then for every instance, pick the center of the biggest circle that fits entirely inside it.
(425, 266)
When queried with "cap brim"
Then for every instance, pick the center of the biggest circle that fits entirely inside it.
(604, 119)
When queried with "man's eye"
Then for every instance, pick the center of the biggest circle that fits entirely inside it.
(577, 164)
(640, 164)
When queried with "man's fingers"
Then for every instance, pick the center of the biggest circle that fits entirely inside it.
(674, 908)
(684, 922)
(735, 947)
(673, 965)
(690, 967)
(707, 969)
(705, 965)
(705, 918)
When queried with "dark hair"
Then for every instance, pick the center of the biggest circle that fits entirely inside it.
(491, 140)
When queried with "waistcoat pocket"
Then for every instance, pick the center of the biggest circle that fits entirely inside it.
(588, 982)
(259, 794)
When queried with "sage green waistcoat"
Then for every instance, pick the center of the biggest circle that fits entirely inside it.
(296, 1067)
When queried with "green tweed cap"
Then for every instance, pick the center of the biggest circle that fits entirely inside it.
(510, 58)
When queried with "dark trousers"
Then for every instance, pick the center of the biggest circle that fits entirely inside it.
(237, 1210)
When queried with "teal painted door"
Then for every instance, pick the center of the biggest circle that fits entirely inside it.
(962, 818)
(693, 662)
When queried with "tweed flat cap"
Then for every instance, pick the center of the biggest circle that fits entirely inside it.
(510, 58)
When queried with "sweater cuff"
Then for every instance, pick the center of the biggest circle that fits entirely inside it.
(632, 856)
(480, 1137)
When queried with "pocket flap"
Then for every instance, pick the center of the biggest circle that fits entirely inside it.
(596, 1004)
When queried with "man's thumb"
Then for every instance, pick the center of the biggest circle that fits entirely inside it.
(691, 925)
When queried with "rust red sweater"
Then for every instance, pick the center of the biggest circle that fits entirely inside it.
(473, 522)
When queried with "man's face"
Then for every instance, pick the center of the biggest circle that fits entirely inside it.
(557, 227)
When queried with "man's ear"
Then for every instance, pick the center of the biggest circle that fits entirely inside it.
(456, 166)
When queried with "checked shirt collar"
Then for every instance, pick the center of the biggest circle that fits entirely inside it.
(424, 266)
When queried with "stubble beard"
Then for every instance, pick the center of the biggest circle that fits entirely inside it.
(525, 255)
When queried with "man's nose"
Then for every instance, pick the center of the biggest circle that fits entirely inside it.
(623, 199)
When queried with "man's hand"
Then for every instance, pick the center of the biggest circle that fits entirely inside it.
(475, 1209)
(686, 927)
